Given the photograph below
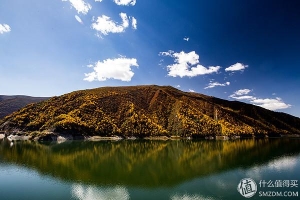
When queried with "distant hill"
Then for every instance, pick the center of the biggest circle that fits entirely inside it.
(10, 104)
(147, 111)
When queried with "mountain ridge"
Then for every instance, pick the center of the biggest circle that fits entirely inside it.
(147, 110)
(12, 103)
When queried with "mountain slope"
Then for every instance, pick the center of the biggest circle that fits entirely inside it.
(147, 111)
(10, 104)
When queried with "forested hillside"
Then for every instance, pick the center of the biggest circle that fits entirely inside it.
(147, 111)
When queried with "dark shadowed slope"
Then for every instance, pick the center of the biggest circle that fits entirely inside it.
(10, 104)
(147, 111)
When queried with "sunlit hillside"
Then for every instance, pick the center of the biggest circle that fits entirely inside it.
(146, 111)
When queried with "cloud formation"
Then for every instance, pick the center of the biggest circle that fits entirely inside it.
(242, 92)
(80, 5)
(236, 67)
(119, 69)
(271, 104)
(134, 23)
(186, 39)
(187, 64)
(125, 2)
(190, 90)
(215, 84)
(78, 19)
(4, 28)
(104, 25)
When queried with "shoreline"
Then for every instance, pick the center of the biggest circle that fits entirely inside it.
(67, 137)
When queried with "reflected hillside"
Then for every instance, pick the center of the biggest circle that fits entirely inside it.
(141, 162)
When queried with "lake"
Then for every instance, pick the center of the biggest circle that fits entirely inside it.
(150, 169)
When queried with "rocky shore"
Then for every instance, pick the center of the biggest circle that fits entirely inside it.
(60, 137)
(56, 137)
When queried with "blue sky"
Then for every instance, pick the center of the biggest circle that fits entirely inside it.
(235, 50)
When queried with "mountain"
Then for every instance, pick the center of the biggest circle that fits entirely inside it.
(10, 104)
(146, 111)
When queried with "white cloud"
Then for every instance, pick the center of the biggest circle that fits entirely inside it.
(98, 0)
(166, 53)
(80, 6)
(105, 25)
(78, 19)
(178, 86)
(187, 64)
(186, 39)
(271, 104)
(191, 90)
(214, 84)
(242, 95)
(125, 2)
(246, 97)
(236, 67)
(134, 23)
(4, 28)
(242, 92)
(119, 69)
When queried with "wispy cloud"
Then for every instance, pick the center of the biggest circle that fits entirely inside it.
(118, 68)
(178, 86)
(242, 92)
(125, 2)
(244, 97)
(186, 39)
(80, 5)
(78, 19)
(191, 90)
(187, 64)
(268, 103)
(166, 53)
(104, 25)
(122, 2)
(215, 84)
(133, 22)
(4, 28)
(236, 67)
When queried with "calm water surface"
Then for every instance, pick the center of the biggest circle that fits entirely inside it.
(140, 169)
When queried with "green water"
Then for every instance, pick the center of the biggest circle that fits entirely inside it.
(140, 169)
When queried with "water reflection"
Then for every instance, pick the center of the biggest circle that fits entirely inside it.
(82, 192)
(147, 163)
(183, 170)
(190, 197)
(283, 163)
